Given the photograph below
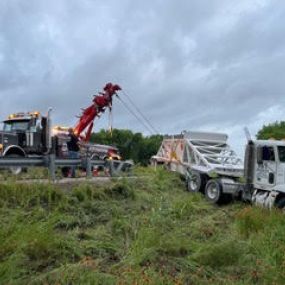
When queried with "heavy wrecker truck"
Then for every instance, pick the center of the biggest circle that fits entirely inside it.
(31, 134)
(25, 135)
(210, 166)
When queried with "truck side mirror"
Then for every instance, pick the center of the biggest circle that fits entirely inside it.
(259, 155)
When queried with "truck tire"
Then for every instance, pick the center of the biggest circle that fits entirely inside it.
(65, 171)
(196, 182)
(214, 191)
(15, 170)
(281, 204)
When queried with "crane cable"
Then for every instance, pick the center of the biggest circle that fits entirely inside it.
(135, 115)
(139, 111)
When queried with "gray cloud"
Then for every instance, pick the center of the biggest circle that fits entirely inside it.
(187, 64)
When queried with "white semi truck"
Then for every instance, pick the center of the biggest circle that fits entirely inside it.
(210, 166)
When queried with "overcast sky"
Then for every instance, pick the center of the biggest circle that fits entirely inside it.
(215, 65)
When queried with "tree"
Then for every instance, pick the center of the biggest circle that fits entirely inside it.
(274, 130)
(131, 145)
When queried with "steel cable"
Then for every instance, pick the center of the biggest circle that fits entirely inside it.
(139, 111)
(135, 115)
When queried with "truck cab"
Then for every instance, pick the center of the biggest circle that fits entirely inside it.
(23, 134)
(269, 166)
(265, 173)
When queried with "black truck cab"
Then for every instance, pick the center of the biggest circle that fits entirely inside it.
(23, 134)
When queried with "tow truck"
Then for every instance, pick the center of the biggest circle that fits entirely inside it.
(31, 134)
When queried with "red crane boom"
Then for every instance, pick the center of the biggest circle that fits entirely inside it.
(100, 102)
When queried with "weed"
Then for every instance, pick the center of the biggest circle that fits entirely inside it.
(252, 220)
(121, 190)
(224, 253)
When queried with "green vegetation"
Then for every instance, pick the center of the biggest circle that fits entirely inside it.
(131, 145)
(274, 130)
(143, 231)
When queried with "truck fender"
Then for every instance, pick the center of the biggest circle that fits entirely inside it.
(14, 149)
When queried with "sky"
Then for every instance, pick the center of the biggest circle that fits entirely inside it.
(215, 65)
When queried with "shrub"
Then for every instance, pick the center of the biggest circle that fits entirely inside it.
(224, 253)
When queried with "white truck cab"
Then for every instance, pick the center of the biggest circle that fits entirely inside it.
(265, 172)
(270, 165)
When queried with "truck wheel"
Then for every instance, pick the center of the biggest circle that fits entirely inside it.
(214, 192)
(281, 204)
(65, 171)
(196, 182)
(15, 170)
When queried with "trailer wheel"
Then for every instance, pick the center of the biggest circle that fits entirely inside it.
(214, 191)
(196, 182)
(15, 170)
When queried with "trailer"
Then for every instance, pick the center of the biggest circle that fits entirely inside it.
(205, 159)
(210, 166)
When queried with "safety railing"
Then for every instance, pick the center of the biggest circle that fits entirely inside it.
(114, 167)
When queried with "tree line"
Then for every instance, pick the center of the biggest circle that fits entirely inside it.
(274, 130)
(131, 145)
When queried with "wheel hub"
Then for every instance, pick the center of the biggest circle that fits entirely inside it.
(193, 184)
(16, 170)
(213, 191)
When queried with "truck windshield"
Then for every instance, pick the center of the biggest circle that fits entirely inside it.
(281, 153)
(16, 126)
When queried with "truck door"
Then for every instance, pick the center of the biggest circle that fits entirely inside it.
(266, 166)
(280, 179)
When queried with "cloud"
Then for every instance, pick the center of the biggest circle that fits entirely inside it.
(186, 64)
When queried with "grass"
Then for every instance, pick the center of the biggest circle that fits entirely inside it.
(144, 231)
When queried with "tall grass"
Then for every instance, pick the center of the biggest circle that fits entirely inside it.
(143, 231)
